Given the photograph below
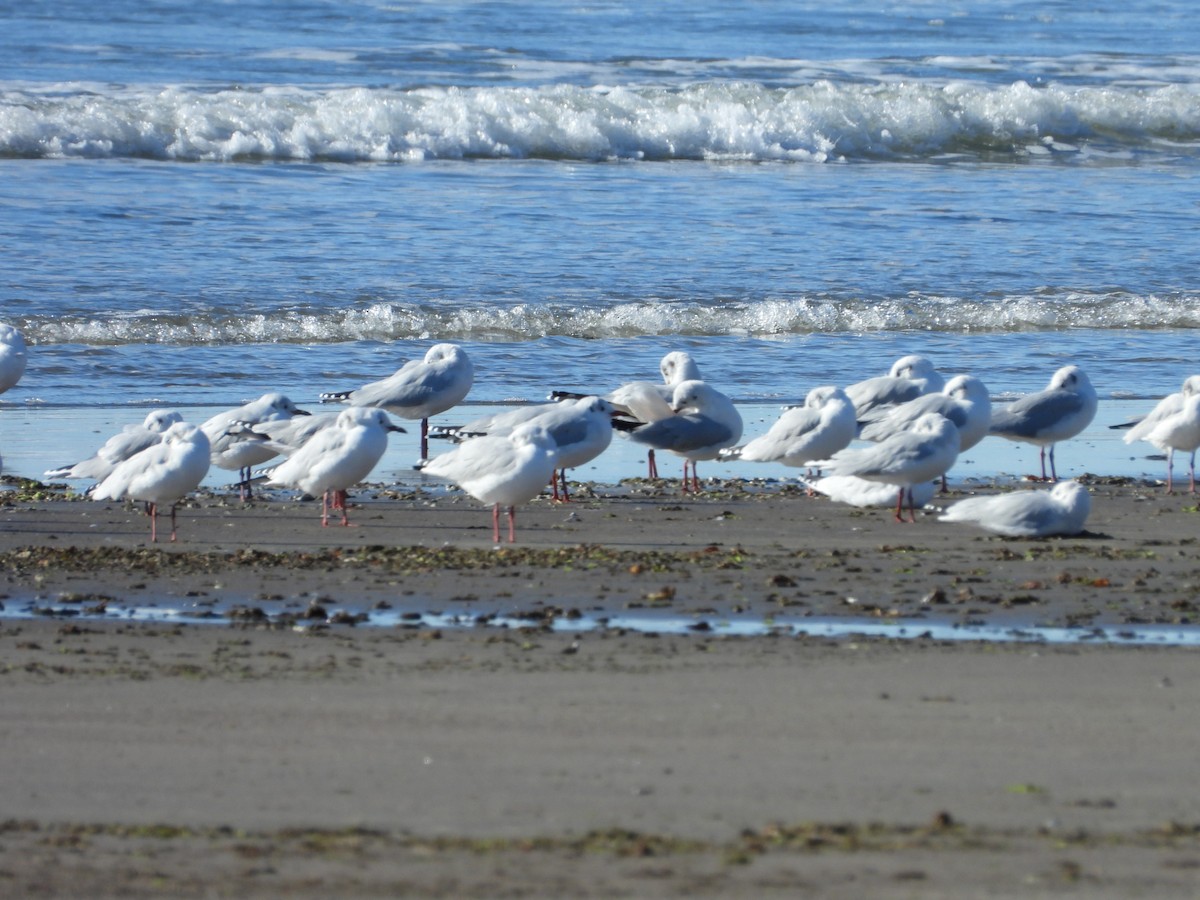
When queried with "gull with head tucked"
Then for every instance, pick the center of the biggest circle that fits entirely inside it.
(13, 356)
(582, 429)
(924, 452)
(909, 378)
(162, 473)
(1030, 513)
(500, 470)
(820, 428)
(336, 458)
(1173, 424)
(130, 440)
(418, 389)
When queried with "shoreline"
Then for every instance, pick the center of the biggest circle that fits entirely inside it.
(288, 755)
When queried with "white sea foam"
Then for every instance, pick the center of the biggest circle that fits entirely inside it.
(816, 122)
(1046, 311)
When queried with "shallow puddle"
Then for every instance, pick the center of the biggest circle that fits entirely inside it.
(832, 628)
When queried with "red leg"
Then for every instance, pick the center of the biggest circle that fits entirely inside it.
(554, 485)
(173, 523)
(325, 509)
(496, 523)
(686, 486)
(153, 508)
(900, 506)
(512, 524)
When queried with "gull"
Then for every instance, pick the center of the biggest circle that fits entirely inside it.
(1174, 436)
(418, 389)
(130, 440)
(162, 473)
(336, 458)
(924, 452)
(500, 470)
(824, 425)
(231, 451)
(649, 401)
(909, 378)
(582, 429)
(963, 400)
(855, 491)
(12, 356)
(286, 436)
(1167, 406)
(705, 422)
(1061, 510)
(1179, 430)
(1061, 411)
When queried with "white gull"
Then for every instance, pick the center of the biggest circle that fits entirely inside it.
(582, 429)
(820, 428)
(1027, 513)
(500, 470)
(132, 439)
(13, 356)
(924, 452)
(162, 473)
(337, 458)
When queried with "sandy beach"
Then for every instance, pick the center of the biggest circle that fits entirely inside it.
(295, 745)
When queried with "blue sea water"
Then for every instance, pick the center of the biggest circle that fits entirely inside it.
(202, 202)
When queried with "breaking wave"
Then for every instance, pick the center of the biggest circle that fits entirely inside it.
(1047, 311)
(818, 122)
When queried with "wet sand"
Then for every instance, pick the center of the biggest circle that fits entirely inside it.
(279, 753)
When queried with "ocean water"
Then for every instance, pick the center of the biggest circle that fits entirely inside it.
(203, 202)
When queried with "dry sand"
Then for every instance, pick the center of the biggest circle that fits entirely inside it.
(274, 753)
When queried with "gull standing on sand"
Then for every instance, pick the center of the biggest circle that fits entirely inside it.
(162, 473)
(500, 470)
(418, 389)
(1178, 431)
(705, 423)
(924, 452)
(649, 401)
(909, 378)
(230, 451)
(1029, 513)
(13, 356)
(823, 426)
(130, 440)
(1172, 425)
(582, 429)
(1061, 411)
(337, 458)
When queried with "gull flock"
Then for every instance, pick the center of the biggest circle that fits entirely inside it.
(888, 439)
